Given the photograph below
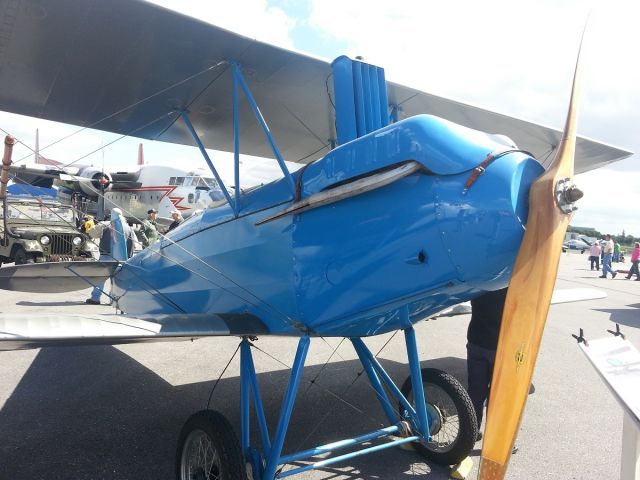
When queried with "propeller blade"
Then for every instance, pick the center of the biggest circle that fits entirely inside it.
(550, 205)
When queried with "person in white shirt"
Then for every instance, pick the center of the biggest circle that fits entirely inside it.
(607, 250)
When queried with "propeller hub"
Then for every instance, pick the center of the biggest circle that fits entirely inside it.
(567, 194)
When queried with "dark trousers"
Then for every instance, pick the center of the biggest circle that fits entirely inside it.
(595, 260)
(634, 270)
(480, 363)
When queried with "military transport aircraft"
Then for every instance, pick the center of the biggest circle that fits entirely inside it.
(161, 187)
(404, 207)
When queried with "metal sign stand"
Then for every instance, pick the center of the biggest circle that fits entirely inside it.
(618, 363)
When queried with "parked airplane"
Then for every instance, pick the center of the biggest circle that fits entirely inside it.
(396, 220)
(135, 191)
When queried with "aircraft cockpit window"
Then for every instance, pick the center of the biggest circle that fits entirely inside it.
(176, 181)
(172, 181)
(202, 182)
(188, 181)
(211, 182)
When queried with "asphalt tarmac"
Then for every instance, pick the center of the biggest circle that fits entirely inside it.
(116, 412)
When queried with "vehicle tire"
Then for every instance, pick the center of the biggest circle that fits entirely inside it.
(21, 257)
(452, 418)
(208, 449)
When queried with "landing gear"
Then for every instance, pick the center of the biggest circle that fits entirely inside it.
(208, 449)
(442, 425)
(452, 419)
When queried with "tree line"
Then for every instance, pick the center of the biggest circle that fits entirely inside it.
(622, 239)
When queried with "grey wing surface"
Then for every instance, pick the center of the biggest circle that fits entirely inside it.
(24, 331)
(55, 277)
(125, 66)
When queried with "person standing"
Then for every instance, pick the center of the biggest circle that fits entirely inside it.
(635, 260)
(607, 251)
(149, 230)
(482, 343)
(87, 224)
(103, 232)
(616, 252)
(177, 219)
(594, 255)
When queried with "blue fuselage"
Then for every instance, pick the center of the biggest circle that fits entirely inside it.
(349, 268)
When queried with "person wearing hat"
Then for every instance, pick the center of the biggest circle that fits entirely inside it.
(148, 232)
(177, 219)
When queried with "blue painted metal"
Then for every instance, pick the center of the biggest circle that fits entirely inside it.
(381, 372)
(348, 456)
(250, 371)
(237, 76)
(245, 392)
(118, 237)
(204, 153)
(273, 457)
(328, 267)
(383, 398)
(419, 403)
(332, 447)
(360, 92)
(249, 388)
(236, 141)
(343, 93)
(265, 464)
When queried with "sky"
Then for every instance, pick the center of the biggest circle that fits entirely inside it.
(514, 57)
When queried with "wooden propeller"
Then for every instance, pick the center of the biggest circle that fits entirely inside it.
(551, 200)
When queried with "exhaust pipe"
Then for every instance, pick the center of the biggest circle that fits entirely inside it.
(9, 142)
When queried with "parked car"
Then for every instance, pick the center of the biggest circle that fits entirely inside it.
(575, 244)
(41, 231)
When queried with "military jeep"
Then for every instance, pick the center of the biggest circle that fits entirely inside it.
(41, 231)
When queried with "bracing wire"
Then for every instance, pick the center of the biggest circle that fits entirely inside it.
(288, 320)
(122, 110)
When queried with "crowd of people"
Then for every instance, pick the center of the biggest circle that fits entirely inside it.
(107, 233)
(608, 252)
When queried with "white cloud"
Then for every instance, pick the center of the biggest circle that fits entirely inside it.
(609, 202)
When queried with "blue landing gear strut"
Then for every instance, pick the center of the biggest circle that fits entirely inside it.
(444, 429)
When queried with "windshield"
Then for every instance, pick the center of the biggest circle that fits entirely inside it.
(36, 212)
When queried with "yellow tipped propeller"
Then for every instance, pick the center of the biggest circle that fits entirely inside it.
(527, 304)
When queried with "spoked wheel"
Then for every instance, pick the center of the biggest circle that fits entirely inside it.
(452, 419)
(208, 449)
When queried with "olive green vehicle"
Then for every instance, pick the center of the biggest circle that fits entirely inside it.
(41, 231)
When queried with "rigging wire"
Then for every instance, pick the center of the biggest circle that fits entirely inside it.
(122, 110)
(221, 374)
(286, 318)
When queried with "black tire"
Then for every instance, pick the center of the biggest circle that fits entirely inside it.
(21, 257)
(453, 422)
(209, 431)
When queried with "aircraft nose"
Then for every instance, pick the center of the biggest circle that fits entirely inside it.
(484, 225)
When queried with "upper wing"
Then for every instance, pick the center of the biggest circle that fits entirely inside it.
(124, 66)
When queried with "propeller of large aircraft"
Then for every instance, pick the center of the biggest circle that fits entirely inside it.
(551, 203)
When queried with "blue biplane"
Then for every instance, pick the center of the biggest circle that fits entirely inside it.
(404, 207)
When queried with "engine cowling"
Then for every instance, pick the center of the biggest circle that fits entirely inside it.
(100, 181)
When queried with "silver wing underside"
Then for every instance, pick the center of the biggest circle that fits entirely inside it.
(24, 331)
(124, 66)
